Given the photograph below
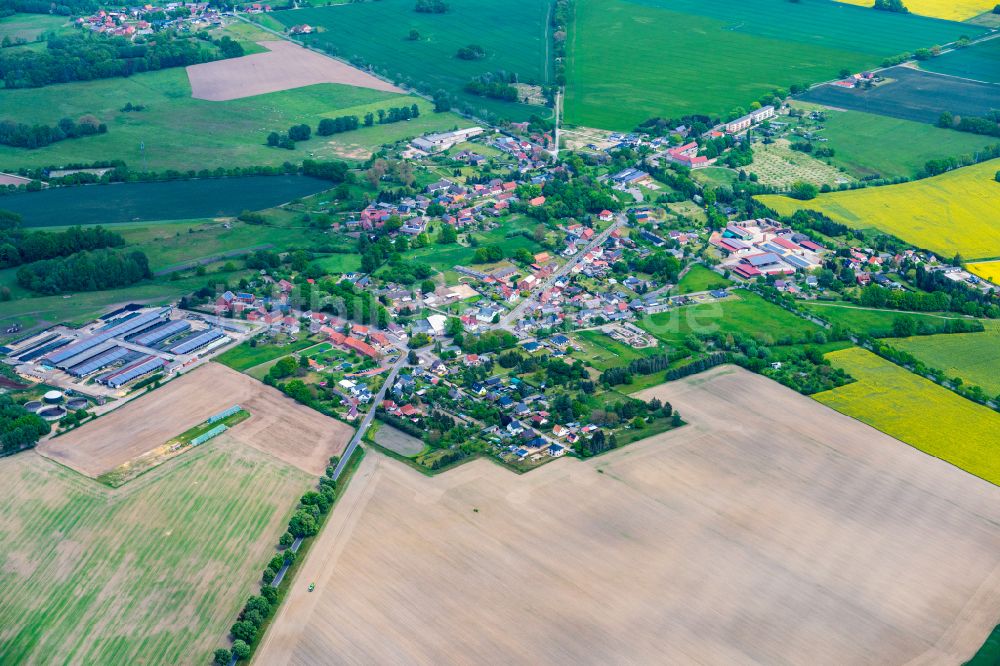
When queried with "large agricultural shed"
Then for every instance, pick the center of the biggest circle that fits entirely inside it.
(770, 530)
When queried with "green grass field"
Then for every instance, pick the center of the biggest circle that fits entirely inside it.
(980, 62)
(79, 308)
(974, 357)
(243, 357)
(630, 60)
(953, 212)
(29, 27)
(603, 352)
(744, 313)
(182, 133)
(154, 571)
(867, 144)
(701, 278)
(514, 34)
(874, 322)
(918, 412)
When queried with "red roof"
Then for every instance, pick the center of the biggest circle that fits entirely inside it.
(785, 243)
(360, 346)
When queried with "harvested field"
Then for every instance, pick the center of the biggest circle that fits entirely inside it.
(285, 66)
(769, 531)
(153, 572)
(912, 95)
(398, 441)
(278, 425)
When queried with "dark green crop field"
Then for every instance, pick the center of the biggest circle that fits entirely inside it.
(174, 200)
(980, 62)
(630, 60)
(514, 34)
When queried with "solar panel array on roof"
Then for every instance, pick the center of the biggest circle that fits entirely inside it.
(143, 366)
(102, 360)
(117, 321)
(45, 349)
(196, 341)
(763, 259)
(19, 349)
(798, 262)
(161, 332)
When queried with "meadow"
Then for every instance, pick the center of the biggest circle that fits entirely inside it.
(951, 10)
(243, 357)
(953, 212)
(513, 33)
(867, 144)
(980, 62)
(158, 567)
(29, 27)
(917, 411)
(973, 357)
(743, 312)
(701, 278)
(630, 60)
(178, 132)
(869, 321)
(911, 94)
(603, 352)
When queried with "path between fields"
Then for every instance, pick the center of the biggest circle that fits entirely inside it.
(293, 616)
(204, 261)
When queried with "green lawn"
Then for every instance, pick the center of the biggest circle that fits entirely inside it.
(155, 571)
(243, 357)
(445, 257)
(602, 352)
(974, 357)
(182, 133)
(30, 26)
(715, 176)
(79, 308)
(867, 144)
(630, 60)
(874, 322)
(514, 34)
(701, 278)
(743, 312)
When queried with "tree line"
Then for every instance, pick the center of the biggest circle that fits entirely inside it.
(97, 56)
(85, 271)
(18, 247)
(22, 135)
(331, 126)
(304, 523)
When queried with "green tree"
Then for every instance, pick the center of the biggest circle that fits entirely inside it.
(448, 235)
(241, 650)
(221, 657)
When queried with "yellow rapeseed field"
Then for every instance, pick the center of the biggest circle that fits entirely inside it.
(988, 270)
(958, 211)
(953, 10)
(918, 412)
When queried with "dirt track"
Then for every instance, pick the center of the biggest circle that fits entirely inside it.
(283, 67)
(278, 425)
(772, 530)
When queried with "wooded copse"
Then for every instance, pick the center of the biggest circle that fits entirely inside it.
(87, 57)
(85, 271)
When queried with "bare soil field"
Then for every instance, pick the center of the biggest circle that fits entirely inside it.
(912, 94)
(771, 530)
(277, 425)
(283, 67)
